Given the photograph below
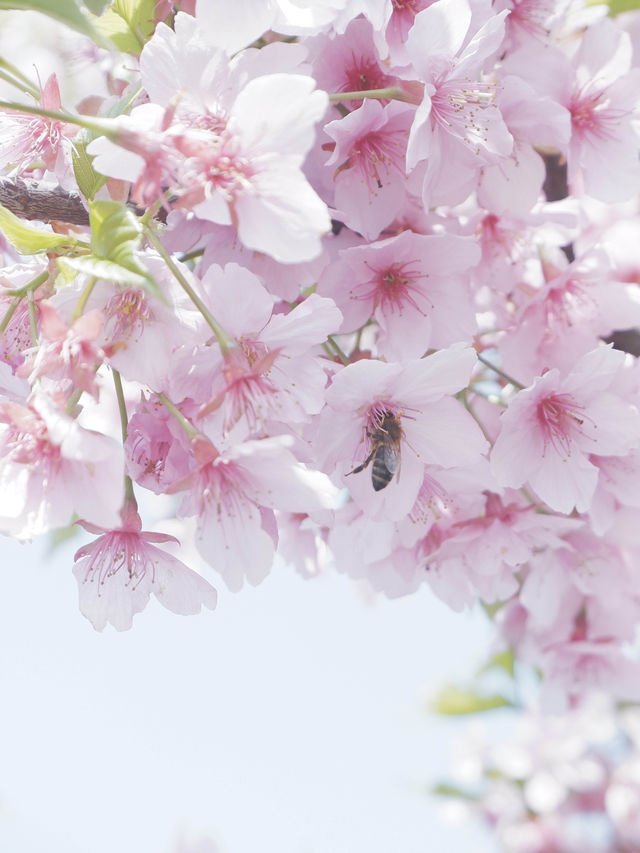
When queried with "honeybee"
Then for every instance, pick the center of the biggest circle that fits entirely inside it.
(385, 441)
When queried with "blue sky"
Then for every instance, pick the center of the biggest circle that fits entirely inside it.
(292, 719)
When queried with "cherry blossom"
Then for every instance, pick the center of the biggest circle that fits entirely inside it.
(435, 427)
(234, 494)
(369, 154)
(29, 143)
(50, 467)
(118, 571)
(602, 107)
(412, 285)
(237, 162)
(457, 128)
(560, 422)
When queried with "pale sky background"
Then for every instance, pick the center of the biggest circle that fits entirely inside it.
(291, 719)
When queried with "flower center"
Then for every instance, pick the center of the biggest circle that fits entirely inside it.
(120, 551)
(377, 155)
(530, 15)
(392, 287)
(460, 108)
(28, 441)
(247, 391)
(591, 115)
(560, 418)
(363, 73)
(568, 305)
(129, 312)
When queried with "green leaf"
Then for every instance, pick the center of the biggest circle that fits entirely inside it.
(443, 790)
(128, 24)
(616, 7)
(61, 535)
(492, 609)
(116, 234)
(503, 660)
(89, 181)
(113, 226)
(28, 239)
(454, 700)
(107, 270)
(68, 12)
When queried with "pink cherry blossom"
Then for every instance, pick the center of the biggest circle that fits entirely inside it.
(603, 101)
(29, 143)
(435, 428)
(240, 168)
(536, 123)
(457, 128)
(302, 369)
(370, 181)
(480, 556)
(50, 467)
(563, 320)
(412, 285)
(142, 331)
(156, 448)
(576, 668)
(16, 335)
(349, 62)
(70, 355)
(550, 430)
(118, 571)
(234, 493)
(272, 373)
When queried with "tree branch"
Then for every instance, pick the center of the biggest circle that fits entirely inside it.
(30, 200)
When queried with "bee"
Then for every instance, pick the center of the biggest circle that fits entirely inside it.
(385, 441)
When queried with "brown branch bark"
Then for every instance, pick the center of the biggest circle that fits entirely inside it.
(30, 200)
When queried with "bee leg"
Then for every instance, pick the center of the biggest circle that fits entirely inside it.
(364, 464)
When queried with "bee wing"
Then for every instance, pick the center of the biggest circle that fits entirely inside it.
(392, 457)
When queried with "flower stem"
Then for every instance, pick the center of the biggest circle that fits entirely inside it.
(190, 256)
(101, 126)
(72, 402)
(34, 284)
(84, 296)
(122, 406)
(188, 427)
(500, 372)
(11, 310)
(338, 351)
(465, 402)
(19, 294)
(392, 93)
(225, 340)
(16, 78)
(33, 320)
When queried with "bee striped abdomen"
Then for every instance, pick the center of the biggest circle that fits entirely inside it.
(385, 441)
(381, 476)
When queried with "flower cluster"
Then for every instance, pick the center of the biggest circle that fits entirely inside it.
(567, 784)
(356, 268)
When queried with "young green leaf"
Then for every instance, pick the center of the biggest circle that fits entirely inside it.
(28, 239)
(89, 181)
(128, 24)
(107, 270)
(454, 700)
(444, 790)
(616, 7)
(68, 12)
(502, 660)
(116, 235)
